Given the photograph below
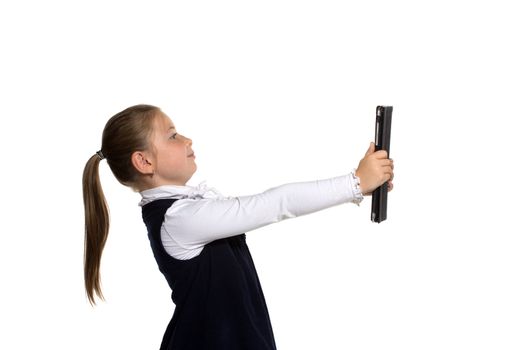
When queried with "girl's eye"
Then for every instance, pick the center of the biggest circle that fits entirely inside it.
(173, 136)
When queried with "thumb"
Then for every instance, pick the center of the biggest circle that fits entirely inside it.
(371, 149)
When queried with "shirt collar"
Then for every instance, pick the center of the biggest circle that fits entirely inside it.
(178, 192)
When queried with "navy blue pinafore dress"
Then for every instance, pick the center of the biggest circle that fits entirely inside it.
(219, 301)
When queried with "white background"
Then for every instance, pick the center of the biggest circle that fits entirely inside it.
(273, 92)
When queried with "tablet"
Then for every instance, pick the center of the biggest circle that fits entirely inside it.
(382, 141)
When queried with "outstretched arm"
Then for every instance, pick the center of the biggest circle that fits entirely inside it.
(192, 223)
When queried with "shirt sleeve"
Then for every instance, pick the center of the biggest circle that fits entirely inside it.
(191, 223)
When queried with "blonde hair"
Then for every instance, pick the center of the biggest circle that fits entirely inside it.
(126, 132)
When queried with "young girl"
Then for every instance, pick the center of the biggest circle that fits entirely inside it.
(197, 235)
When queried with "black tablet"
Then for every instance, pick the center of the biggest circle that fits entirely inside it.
(380, 194)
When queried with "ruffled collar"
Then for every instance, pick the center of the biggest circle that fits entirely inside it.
(178, 192)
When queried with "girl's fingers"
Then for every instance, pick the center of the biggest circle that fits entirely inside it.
(389, 171)
(388, 167)
(387, 162)
(382, 154)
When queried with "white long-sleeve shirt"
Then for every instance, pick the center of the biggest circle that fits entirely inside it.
(202, 214)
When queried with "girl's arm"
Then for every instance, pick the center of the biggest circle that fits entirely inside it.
(191, 223)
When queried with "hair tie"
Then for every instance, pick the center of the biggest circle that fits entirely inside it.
(100, 155)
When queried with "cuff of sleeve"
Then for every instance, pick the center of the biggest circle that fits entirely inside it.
(356, 189)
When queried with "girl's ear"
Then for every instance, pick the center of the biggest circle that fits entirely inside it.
(142, 161)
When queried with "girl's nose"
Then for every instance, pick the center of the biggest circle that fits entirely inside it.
(186, 139)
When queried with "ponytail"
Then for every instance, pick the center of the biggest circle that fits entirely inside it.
(126, 132)
(96, 227)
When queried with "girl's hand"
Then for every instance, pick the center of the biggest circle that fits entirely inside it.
(374, 170)
(390, 188)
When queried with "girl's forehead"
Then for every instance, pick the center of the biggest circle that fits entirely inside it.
(163, 123)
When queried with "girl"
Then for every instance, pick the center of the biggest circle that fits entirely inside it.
(197, 235)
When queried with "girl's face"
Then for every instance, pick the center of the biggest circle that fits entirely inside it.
(174, 162)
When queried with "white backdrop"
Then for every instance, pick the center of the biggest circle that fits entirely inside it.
(273, 92)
